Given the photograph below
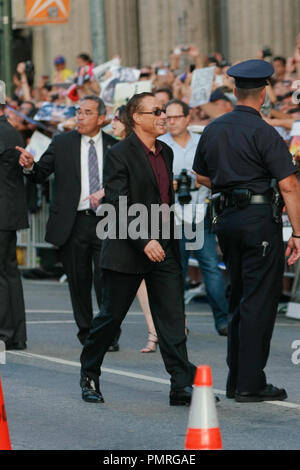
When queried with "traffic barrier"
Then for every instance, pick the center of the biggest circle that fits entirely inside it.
(4, 433)
(203, 431)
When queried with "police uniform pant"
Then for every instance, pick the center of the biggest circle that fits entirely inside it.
(12, 308)
(253, 252)
(165, 292)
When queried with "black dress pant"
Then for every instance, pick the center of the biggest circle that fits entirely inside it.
(80, 257)
(12, 308)
(165, 291)
(254, 256)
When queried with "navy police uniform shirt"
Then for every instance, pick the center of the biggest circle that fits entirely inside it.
(240, 150)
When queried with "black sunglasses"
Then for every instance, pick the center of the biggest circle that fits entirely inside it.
(155, 112)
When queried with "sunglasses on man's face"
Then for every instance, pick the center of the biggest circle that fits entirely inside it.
(155, 112)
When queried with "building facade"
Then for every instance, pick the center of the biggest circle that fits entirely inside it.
(142, 32)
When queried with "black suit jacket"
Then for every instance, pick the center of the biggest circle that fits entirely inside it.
(63, 159)
(13, 206)
(128, 172)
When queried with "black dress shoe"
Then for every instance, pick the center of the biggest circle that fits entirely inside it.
(16, 346)
(223, 331)
(90, 390)
(230, 394)
(114, 347)
(269, 393)
(181, 397)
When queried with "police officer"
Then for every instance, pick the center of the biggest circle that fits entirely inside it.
(238, 156)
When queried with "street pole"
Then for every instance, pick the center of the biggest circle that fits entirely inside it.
(98, 29)
(6, 44)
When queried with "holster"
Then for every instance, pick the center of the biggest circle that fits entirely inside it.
(277, 203)
(215, 207)
(241, 197)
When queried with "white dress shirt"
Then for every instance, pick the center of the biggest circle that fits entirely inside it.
(84, 163)
(184, 159)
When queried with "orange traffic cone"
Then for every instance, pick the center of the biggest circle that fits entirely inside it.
(4, 434)
(203, 430)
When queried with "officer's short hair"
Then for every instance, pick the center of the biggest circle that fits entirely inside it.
(99, 101)
(185, 107)
(246, 93)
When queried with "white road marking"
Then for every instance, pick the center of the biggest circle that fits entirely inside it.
(189, 314)
(132, 375)
(50, 322)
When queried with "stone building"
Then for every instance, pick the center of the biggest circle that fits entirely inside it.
(145, 31)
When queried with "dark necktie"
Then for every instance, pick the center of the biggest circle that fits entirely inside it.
(94, 179)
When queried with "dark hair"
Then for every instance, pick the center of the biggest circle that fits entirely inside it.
(246, 93)
(164, 90)
(99, 101)
(85, 57)
(29, 102)
(134, 105)
(185, 107)
(122, 112)
(280, 59)
(2, 107)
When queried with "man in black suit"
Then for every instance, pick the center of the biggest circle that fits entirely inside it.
(76, 159)
(13, 217)
(140, 168)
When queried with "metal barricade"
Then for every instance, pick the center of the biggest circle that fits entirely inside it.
(29, 241)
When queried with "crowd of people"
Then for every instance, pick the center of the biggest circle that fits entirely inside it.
(171, 85)
(95, 127)
(170, 79)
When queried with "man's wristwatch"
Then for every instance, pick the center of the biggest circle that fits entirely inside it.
(295, 236)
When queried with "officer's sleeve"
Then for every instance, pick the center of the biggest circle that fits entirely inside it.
(275, 155)
(200, 165)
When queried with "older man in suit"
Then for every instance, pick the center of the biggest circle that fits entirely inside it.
(76, 158)
(13, 217)
(140, 168)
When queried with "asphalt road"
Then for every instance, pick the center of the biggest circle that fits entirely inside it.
(43, 399)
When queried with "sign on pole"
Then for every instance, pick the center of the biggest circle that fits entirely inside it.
(40, 12)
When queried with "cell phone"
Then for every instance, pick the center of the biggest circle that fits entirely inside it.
(185, 49)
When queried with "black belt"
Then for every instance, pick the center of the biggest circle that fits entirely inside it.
(255, 199)
(87, 212)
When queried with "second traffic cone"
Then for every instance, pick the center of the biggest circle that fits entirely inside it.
(203, 429)
(4, 434)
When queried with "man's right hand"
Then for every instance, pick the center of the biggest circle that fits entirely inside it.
(26, 159)
(154, 251)
(293, 250)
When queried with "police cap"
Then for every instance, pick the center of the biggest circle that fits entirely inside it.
(218, 95)
(251, 73)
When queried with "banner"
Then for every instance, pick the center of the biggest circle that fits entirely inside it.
(100, 71)
(55, 112)
(201, 86)
(125, 91)
(40, 12)
(38, 145)
(117, 75)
